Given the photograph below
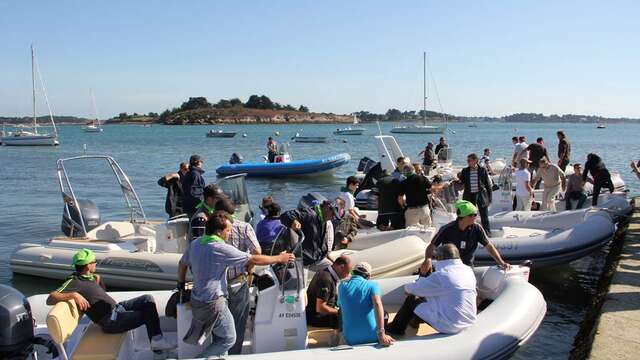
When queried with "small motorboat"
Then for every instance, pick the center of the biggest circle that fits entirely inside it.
(221, 134)
(309, 139)
(284, 165)
(133, 252)
(601, 126)
(277, 327)
(351, 130)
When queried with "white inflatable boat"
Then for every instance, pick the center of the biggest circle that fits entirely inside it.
(546, 245)
(277, 326)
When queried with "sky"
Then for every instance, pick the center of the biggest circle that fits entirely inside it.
(488, 58)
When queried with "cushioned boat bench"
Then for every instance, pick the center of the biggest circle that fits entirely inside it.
(62, 321)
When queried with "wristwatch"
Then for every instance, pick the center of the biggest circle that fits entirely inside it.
(380, 331)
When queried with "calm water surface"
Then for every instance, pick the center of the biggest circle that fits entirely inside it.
(32, 207)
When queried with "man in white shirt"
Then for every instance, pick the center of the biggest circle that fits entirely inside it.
(524, 190)
(520, 150)
(347, 193)
(446, 299)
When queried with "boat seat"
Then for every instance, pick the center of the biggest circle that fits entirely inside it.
(62, 321)
(318, 337)
(98, 345)
(423, 330)
(112, 230)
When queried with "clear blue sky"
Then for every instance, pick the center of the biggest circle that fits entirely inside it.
(488, 57)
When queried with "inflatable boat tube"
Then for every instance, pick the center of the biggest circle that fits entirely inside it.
(292, 168)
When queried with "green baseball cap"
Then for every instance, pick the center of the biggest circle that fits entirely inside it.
(84, 257)
(465, 208)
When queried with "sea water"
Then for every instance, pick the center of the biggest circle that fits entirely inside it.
(32, 206)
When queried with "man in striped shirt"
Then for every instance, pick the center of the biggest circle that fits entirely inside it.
(477, 188)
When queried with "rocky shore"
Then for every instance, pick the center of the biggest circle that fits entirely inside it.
(251, 116)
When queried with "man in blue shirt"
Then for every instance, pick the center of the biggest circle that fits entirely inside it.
(361, 309)
(208, 257)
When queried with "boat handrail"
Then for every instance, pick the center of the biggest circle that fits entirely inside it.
(131, 198)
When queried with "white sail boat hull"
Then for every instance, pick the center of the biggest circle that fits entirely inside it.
(92, 128)
(30, 140)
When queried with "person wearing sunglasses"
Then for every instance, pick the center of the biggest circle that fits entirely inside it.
(87, 290)
(465, 234)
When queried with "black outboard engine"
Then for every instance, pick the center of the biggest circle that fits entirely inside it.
(90, 214)
(310, 200)
(236, 159)
(373, 174)
(366, 164)
(16, 326)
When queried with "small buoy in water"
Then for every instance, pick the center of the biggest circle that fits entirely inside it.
(244, 134)
(277, 133)
(344, 141)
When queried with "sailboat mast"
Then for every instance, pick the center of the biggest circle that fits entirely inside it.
(93, 105)
(33, 90)
(424, 87)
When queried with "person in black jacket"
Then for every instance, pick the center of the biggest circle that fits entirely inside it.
(173, 183)
(193, 186)
(317, 228)
(600, 174)
(477, 188)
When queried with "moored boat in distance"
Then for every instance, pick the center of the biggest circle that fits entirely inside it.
(93, 126)
(351, 130)
(33, 138)
(221, 134)
(309, 139)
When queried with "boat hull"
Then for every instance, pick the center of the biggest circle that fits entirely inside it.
(310, 139)
(349, 132)
(221, 135)
(418, 130)
(31, 140)
(292, 168)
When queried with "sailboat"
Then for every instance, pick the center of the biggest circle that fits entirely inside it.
(351, 130)
(421, 128)
(23, 137)
(601, 125)
(94, 126)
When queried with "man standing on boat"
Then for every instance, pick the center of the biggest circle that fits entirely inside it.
(204, 209)
(272, 149)
(564, 150)
(173, 183)
(243, 238)
(390, 213)
(477, 188)
(209, 257)
(193, 185)
(87, 290)
(465, 234)
(554, 179)
(428, 158)
(317, 228)
(442, 144)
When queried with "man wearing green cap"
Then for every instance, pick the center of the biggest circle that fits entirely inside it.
(465, 234)
(87, 290)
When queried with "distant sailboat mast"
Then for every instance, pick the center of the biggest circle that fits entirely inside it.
(33, 90)
(34, 64)
(94, 108)
(424, 87)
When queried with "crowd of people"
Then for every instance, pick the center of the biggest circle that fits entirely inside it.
(223, 250)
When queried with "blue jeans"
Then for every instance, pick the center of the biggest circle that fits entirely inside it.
(139, 311)
(239, 308)
(575, 195)
(223, 332)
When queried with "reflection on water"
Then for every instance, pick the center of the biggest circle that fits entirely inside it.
(32, 206)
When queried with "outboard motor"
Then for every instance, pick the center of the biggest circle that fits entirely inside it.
(373, 174)
(365, 164)
(16, 326)
(236, 159)
(90, 214)
(310, 200)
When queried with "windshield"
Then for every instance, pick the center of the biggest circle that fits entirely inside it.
(236, 188)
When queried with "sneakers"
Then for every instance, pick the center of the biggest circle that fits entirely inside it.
(161, 344)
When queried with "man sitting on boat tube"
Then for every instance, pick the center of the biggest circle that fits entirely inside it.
(209, 257)
(86, 288)
(446, 299)
(465, 234)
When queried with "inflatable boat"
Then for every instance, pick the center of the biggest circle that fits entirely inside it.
(286, 168)
(545, 246)
(277, 326)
